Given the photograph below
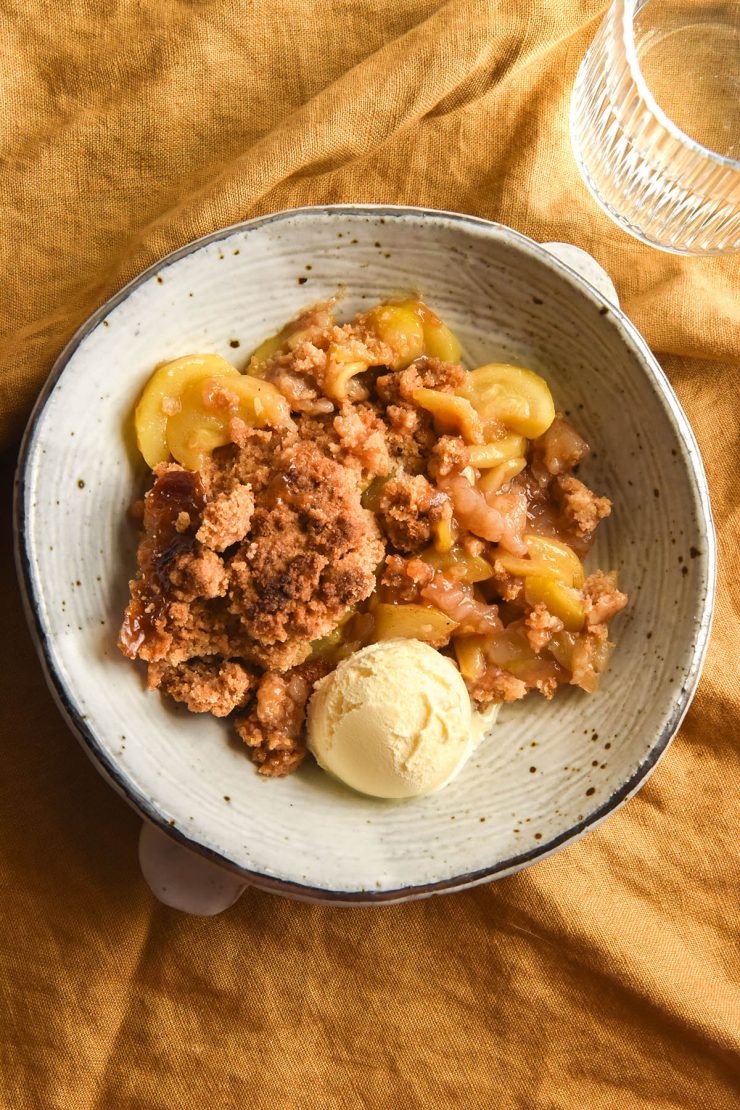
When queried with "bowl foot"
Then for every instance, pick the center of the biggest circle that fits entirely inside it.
(183, 879)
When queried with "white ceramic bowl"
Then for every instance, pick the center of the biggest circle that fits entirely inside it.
(551, 771)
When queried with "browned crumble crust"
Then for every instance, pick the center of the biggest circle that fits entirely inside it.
(257, 574)
(408, 507)
(580, 508)
(496, 685)
(204, 685)
(310, 555)
(273, 730)
(603, 599)
(405, 578)
(362, 437)
(425, 373)
(448, 455)
(226, 519)
(541, 626)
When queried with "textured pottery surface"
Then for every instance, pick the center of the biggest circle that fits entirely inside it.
(550, 770)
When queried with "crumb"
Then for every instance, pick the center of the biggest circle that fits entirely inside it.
(496, 685)
(449, 454)
(425, 373)
(541, 627)
(274, 730)
(226, 519)
(405, 578)
(508, 587)
(205, 686)
(197, 574)
(407, 509)
(362, 437)
(603, 599)
(581, 510)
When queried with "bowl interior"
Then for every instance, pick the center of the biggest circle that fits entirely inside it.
(549, 770)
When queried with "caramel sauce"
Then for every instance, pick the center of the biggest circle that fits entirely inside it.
(285, 488)
(139, 625)
(174, 493)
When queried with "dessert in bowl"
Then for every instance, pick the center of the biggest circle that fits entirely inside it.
(357, 485)
(550, 769)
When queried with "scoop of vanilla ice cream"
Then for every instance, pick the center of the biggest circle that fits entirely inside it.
(394, 720)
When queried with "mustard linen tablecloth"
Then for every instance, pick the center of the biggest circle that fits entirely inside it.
(604, 977)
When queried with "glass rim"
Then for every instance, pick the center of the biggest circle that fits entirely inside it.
(628, 41)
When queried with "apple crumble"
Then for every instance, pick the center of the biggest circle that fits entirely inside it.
(357, 484)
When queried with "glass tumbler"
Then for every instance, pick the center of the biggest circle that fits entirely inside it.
(655, 122)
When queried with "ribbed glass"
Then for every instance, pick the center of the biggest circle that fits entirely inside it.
(652, 179)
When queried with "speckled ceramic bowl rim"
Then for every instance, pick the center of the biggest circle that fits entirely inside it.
(108, 764)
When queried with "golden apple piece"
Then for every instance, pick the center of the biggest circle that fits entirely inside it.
(558, 557)
(341, 367)
(471, 656)
(492, 480)
(561, 647)
(562, 601)
(485, 455)
(509, 648)
(328, 645)
(208, 407)
(161, 398)
(548, 558)
(372, 493)
(400, 326)
(458, 564)
(439, 341)
(444, 529)
(451, 413)
(412, 622)
(510, 395)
